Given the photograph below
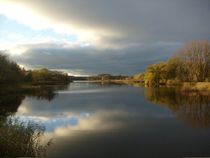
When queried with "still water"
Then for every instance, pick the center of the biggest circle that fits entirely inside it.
(106, 120)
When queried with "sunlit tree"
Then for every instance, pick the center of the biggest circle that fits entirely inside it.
(154, 74)
(195, 57)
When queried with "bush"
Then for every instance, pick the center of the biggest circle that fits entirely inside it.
(21, 139)
(173, 82)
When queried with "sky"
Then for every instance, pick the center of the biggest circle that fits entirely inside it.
(88, 37)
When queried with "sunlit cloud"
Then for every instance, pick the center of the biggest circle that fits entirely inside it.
(16, 11)
(22, 110)
(37, 20)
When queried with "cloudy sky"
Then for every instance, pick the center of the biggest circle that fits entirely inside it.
(85, 37)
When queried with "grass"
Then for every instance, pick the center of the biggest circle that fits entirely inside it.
(21, 139)
(197, 86)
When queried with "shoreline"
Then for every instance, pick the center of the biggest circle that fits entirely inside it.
(184, 86)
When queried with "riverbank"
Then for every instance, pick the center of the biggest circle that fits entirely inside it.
(184, 86)
(25, 87)
(198, 86)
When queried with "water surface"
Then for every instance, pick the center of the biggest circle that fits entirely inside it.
(106, 120)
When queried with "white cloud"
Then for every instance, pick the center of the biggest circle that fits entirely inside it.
(15, 36)
(16, 11)
(37, 20)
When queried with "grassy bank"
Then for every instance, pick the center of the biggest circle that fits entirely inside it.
(185, 86)
(196, 86)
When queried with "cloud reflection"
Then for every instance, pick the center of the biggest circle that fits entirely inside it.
(63, 124)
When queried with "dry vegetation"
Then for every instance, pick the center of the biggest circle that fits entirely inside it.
(198, 86)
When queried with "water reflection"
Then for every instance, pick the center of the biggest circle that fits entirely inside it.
(193, 108)
(11, 97)
(22, 137)
(43, 92)
(103, 120)
(10, 100)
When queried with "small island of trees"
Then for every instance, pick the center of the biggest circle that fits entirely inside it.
(11, 73)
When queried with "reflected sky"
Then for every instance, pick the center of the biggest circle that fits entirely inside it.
(84, 102)
(91, 119)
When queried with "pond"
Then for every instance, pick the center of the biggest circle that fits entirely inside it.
(108, 120)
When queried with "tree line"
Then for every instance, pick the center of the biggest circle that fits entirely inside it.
(191, 63)
(106, 77)
(10, 72)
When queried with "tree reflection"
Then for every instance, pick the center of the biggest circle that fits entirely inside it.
(11, 97)
(41, 93)
(20, 139)
(192, 108)
(10, 100)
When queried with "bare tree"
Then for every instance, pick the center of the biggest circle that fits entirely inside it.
(195, 56)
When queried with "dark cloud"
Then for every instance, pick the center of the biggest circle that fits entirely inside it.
(89, 60)
(137, 20)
